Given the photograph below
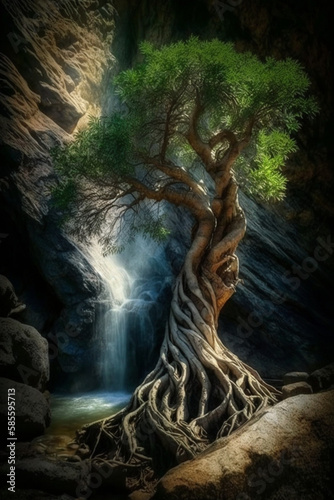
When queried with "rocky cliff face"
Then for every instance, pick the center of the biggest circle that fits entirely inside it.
(54, 69)
(56, 61)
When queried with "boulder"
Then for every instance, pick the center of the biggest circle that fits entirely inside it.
(32, 411)
(57, 477)
(293, 377)
(9, 303)
(323, 378)
(23, 354)
(284, 453)
(294, 389)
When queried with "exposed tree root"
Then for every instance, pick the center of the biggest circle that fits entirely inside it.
(198, 391)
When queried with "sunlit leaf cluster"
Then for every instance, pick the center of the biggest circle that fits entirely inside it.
(260, 172)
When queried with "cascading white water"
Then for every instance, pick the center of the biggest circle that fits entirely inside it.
(115, 353)
(112, 323)
(131, 314)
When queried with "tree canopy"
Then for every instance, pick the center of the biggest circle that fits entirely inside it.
(188, 112)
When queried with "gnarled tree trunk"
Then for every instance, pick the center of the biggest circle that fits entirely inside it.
(198, 390)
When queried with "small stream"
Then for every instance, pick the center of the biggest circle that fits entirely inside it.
(70, 412)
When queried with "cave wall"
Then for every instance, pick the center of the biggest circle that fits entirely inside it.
(57, 59)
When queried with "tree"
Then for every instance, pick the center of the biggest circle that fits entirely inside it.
(197, 120)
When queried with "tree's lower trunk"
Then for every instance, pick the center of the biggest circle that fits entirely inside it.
(198, 391)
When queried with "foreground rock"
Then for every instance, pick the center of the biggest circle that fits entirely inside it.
(55, 477)
(285, 453)
(23, 354)
(32, 411)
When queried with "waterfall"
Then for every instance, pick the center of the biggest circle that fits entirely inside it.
(133, 311)
(112, 324)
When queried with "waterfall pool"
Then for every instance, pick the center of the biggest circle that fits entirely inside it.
(70, 412)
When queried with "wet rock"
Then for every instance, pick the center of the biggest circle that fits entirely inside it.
(286, 452)
(66, 456)
(32, 412)
(40, 449)
(52, 443)
(50, 451)
(23, 354)
(73, 458)
(294, 389)
(72, 446)
(140, 495)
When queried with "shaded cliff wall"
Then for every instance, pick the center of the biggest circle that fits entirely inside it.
(55, 66)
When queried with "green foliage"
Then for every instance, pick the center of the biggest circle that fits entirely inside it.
(102, 150)
(158, 98)
(233, 86)
(152, 228)
(261, 174)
